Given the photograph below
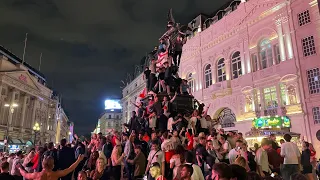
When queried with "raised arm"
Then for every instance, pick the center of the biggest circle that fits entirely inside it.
(206, 111)
(64, 172)
(174, 97)
(134, 104)
(25, 174)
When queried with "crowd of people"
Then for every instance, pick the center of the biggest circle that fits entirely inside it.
(159, 143)
(188, 147)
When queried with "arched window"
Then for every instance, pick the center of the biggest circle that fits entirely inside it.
(221, 70)
(265, 54)
(236, 65)
(208, 76)
(190, 80)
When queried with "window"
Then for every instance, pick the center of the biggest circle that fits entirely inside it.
(191, 81)
(236, 65)
(255, 65)
(109, 124)
(316, 115)
(308, 46)
(4, 91)
(109, 116)
(277, 53)
(16, 96)
(117, 116)
(208, 75)
(221, 70)
(226, 118)
(313, 80)
(266, 54)
(270, 97)
(283, 94)
(304, 18)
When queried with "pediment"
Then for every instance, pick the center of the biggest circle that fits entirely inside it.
(24, 77)
(246, 89)
(288, 78)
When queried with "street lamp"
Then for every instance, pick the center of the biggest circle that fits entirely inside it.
(36, 129)
(11, 106)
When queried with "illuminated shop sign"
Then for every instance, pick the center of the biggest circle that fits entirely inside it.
(272, 122)
(112, 104)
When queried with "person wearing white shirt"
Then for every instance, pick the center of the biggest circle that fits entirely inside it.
(236, 152)
(17, 160)
(226, 147)
(291, 154)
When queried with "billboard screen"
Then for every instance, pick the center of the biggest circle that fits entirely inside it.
(112, 104)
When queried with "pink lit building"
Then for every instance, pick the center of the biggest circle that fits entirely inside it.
(258, 58)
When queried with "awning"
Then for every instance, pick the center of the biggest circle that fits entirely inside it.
(17, 141)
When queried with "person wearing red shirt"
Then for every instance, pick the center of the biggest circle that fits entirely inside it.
(189, 136)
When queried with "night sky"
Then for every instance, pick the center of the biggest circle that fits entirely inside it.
(89, 46)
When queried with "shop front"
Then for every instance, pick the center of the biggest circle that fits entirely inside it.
(263, 127)
(15, 145)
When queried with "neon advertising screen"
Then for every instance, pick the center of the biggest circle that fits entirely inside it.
(112, 104)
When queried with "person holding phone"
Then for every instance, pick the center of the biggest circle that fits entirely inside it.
(236, 152)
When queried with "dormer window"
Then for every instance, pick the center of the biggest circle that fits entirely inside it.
(193, 23)
(215, 19)
(228, 10)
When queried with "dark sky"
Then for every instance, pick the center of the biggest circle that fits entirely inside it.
(88, 46)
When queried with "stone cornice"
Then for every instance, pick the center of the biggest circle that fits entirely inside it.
(232, 32)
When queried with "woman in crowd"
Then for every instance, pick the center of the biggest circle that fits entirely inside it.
(100, 172)
(116, 158)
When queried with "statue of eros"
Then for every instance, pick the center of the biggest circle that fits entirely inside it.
(171, 41)
(174, 28)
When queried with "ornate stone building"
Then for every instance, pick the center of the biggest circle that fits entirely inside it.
(258, 58)
(25, 100)
(109, 120)
(131, 94)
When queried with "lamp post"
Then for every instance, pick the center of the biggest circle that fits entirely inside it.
(36, 129)
(11, 111)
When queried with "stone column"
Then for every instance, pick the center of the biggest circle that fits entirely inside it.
(254, 103)
(279, 95)
(228, 69)
(214, 73)
(296, 86)
(287, 37)
(281, 41)
(11, 109)
(261, 100)
(34, 107)
(23, 113)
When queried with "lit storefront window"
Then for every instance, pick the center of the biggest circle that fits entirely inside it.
(270, 97)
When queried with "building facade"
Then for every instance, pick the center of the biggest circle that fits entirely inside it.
(258, 58)
(25, 101)
(131, 94)
(64, 126)
(109, 121)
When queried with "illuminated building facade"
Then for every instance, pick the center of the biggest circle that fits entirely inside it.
(110, 120)
(258, 58)
(64, 126)
(25, 101)
(131, 95)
